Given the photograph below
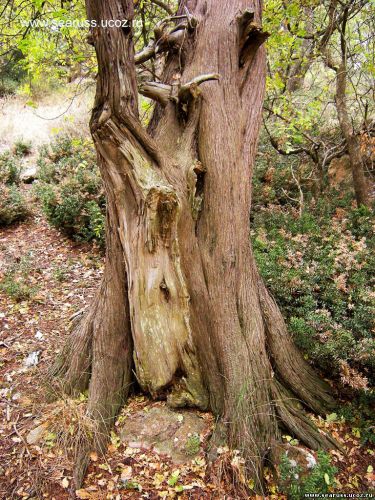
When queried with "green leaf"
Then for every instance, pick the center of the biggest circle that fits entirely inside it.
(332, 417)
(172, 481)
(32, 104)
(356, 432)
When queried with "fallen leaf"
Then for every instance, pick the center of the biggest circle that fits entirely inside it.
(126, 473)
(83, 494)
(65, 483)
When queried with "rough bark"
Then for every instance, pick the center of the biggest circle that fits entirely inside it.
(182, 290)
(352, 139)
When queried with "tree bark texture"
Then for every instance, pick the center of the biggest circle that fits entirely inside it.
(352, 139)
(181, 293)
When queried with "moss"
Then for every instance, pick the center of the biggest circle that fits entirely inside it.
(192, 445)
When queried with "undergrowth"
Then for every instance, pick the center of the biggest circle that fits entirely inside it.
(13, 207)
(297, 482)
(319, 266)
(70, 189)
(15, 282)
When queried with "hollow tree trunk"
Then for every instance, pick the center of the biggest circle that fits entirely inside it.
(181, 289)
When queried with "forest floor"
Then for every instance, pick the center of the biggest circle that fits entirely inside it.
(46, 278)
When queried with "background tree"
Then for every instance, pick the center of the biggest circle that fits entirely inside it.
(340, 16)
(309, 118)
(181, 303)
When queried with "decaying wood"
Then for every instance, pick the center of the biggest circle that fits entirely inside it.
(251, 36)
(166, 39)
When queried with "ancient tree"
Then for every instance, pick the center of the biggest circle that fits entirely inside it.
(182, 309)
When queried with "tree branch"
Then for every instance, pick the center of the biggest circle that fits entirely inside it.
(163, 5)
(157, 91)
(286, 120)
(163, 42)
(281, 151)
(251, 36)
(163, 93)
(191, 88)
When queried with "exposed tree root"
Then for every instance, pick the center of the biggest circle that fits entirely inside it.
(82, 460)
(298, 423)
(112, 345)
(251, 420)
(288, 361)
(99, 352)
(73, 366)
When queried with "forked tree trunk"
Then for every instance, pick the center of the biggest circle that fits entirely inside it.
(181, 293)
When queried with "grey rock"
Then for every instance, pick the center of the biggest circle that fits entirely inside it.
(29, 175)
(165, 431)
(32, 359)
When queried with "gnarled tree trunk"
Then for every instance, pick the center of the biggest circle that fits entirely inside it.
(181, 292)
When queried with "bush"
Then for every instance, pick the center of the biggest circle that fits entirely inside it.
(15, 282)
(297, 484)
(70, 189)
(10, 169)
(12, 72)
(8, 86)
(273, 181)
(13, 207)
(320, 267)
(22, 147)
(359, 413)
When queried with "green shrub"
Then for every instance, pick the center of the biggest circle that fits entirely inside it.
(361, 222)
(13, 206)
(273, 181)
(359, 414)
(296, 483)
(12, 72)
(22, 147)
(59, 274)
(15, 281)
(10, 169)
(320, 268)
(70, 189)
(8, 86)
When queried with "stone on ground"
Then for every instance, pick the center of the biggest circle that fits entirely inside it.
(165, 431)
